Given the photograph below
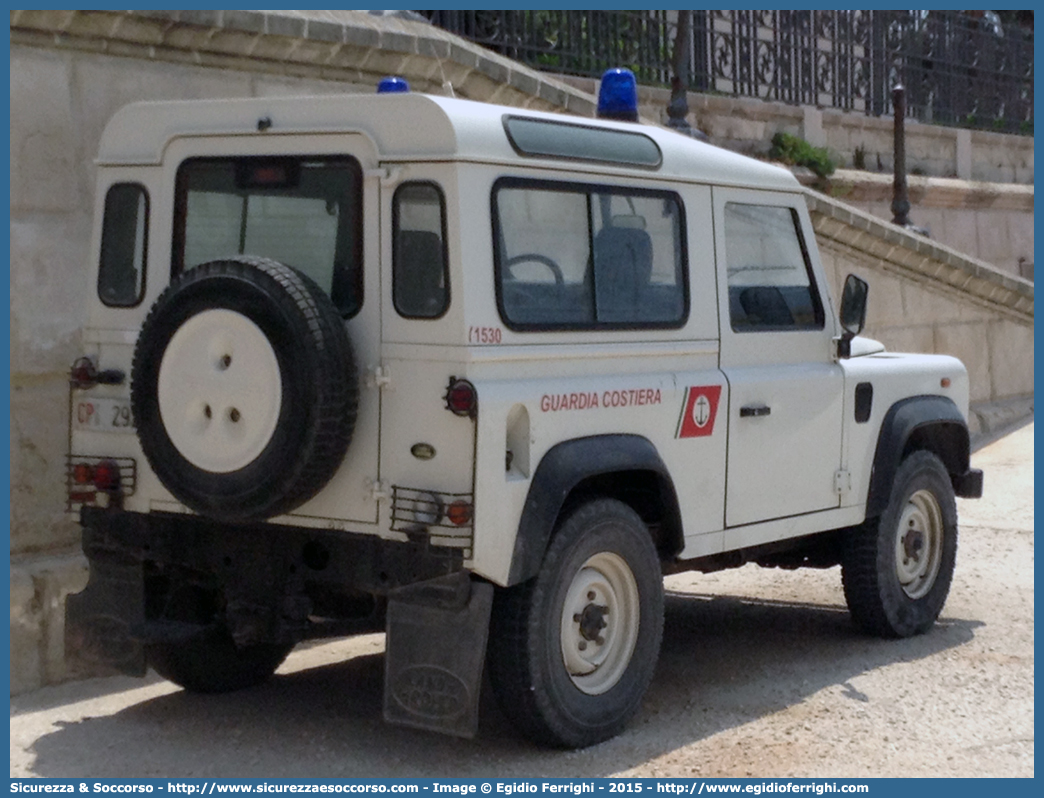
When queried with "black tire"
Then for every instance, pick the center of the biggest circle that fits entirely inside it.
(281, 317)
(897, 569)
(596, 545)
(213, 663)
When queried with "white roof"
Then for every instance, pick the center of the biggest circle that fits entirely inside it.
(410, 127)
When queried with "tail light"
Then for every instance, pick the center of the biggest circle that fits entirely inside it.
(445, 519)
(104, 475)
(82, 474)
(426, 509)
(84, 374)
(99, 481)
(461, 398)
(107, 476)
(459, 512)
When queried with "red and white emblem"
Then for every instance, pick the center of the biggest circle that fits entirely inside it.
(700, 409)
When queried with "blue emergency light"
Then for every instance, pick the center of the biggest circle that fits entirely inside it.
(393, 85)
(618, 96)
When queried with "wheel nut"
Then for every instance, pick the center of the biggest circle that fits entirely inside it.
(582, 646)
(225, 362)
(233, 415)
(590, 595)
(577, 617)
(206, 411)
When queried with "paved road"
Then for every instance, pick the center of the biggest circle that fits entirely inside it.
(761, 674)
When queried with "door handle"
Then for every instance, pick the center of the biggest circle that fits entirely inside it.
(753, 411)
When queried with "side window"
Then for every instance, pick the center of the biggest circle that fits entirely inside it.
(637, 259)
(769, 276)
(588, 257)
(543, 257)
(125, 227)
(420, 272)
(304, 212)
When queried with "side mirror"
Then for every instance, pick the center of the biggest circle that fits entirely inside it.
(853, 312)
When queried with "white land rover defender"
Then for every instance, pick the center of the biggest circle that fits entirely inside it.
(478, 377)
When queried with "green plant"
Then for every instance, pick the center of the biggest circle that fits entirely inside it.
(791, 149)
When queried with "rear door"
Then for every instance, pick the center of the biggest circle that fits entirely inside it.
(785, 388)
(316, 209)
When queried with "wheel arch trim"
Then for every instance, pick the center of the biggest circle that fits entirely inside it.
(936, 423)
(564, 468)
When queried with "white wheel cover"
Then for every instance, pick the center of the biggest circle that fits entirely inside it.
(604, 580)
(918, 567)
(220, 391)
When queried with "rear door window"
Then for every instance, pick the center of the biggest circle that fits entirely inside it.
(304, 212)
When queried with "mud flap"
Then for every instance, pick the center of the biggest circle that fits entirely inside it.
(98, 621)
(436, 648)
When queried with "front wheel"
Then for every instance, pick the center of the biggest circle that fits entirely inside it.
(897, 570)
(572, 651)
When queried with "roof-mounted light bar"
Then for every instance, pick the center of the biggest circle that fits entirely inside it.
(393, 85)
(618, 96)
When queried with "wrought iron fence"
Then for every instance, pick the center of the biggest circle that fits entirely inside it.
(959, 68)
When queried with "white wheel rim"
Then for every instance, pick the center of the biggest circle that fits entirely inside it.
(918, 544)
(220, 391)
(603, 596)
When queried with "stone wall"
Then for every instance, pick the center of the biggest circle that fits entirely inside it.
(747, 125)
(926, 297)
(71, 70)
(992, 222)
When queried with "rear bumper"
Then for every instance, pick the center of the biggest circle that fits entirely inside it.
(276, 584)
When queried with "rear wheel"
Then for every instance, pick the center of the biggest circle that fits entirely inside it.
(897, 569)
(212, 663)
(573, 650)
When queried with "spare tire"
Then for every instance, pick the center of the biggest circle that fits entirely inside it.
(244, 389)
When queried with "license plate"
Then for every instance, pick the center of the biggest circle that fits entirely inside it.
(102, 414)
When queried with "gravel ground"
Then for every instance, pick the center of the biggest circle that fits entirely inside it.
(761, 675)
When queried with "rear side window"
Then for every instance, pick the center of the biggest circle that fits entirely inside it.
(769, 276)
(304, 212)
(420, 280)
(574, 256)
(125, 227)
